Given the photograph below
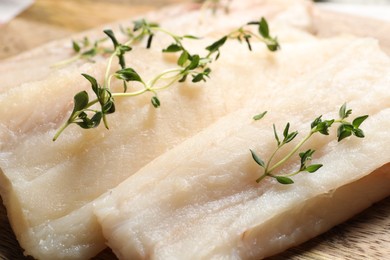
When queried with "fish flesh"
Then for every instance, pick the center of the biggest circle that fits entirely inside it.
(39, 63)
(57, 183)
(49, 192)
(200, 199)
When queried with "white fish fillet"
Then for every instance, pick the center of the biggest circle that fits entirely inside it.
(200, 200)
(37, 64)
(98, 160)
(49, 192)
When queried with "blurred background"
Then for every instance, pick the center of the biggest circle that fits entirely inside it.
(25, 24)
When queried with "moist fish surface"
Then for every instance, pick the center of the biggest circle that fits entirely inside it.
(200, 200)
(48, 188)
(39, 63)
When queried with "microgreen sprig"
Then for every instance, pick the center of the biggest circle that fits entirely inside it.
(85, 50)
(189, 64)
(345, 129)
(214, 5)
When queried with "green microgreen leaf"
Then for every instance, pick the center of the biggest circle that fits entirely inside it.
(343, 112)
(257, 159)
(305, 157)
(88, 123)
(358, 121)
(173, 48)
(358, 132)
(111, 35)
(259, 116)
(290, 137)
(93, 82)
(284, 180)
(80, 100)
(183, 58)
(76, 47)
(343, 132)
(155, 101)
(216, 45)
(128, 74)
(194, 62)
(276, 135)
(285, 132)
(263, 28)
(316, 122)
(313, 168)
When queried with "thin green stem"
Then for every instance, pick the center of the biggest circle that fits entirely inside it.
(131, 94)
(107, 74)
(161, 75)
(67, 61)
(167, 85)
(288, 156)
(59, 132)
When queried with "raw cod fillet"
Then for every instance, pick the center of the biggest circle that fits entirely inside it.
(200, 199)
(36, 64)
(53, 192)
(49, 192)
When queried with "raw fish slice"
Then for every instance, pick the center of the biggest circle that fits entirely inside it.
(200, 200)
(183, 19)
(49, 195)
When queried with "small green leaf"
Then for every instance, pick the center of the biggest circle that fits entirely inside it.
(358, 132)
(216, 45)
(290, 137)
(343, 133)
(359, 120)
(183, 79)
(313, 167)
(316, 122)
(285, 132)
(87, 123)
(95, 120)
(323, 127)
(284, 180)
(76, 46)
(155, 101)
(198, 77)
(272, 44)
(194, 62)
(276, 135)
(128, 74)
(124, 48)
(111, 35)
(89, 53)
(263, 28)
(173, 48)
(343, 112)
(138, 24)
(80, 100)
(93, 82)
(305, 158)
(183, 58)
(259, 116)
(108, 107)
(257, 159)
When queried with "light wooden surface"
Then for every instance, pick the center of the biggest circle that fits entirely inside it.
(367, 236)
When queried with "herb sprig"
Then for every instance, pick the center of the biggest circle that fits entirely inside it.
(189, 64)
(320, 126)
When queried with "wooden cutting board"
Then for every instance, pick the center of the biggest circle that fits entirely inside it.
(366, 236)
